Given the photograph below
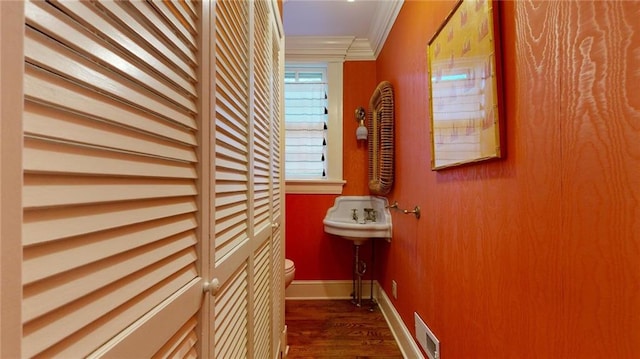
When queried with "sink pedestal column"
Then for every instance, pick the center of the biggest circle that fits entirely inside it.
(359, 269)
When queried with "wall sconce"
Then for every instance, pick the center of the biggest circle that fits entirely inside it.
(361, 131)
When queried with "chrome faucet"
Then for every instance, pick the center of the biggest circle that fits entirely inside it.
(354, 214)
(370, 214)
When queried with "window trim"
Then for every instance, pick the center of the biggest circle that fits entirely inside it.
(334, 182)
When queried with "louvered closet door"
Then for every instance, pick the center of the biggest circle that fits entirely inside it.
(231, 245)
(110, 129)
(262, 182)
(243, 248)
(277, 180)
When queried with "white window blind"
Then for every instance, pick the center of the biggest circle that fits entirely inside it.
(306, 123)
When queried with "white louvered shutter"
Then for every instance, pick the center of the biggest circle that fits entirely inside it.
(244, 175)
(110, 129)
(231, 167)
(263, 309)
(277, 180)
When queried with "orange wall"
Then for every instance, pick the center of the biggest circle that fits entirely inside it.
(318, 255)
(534, 255)
(538, 254)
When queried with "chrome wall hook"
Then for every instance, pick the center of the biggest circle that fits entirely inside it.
(415, 211)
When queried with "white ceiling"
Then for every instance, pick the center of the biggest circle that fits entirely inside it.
(337, 29)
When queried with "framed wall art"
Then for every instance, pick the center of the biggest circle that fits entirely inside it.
(463, 62)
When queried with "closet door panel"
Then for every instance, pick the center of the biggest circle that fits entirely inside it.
(262, 304)
(110, 170)
(232, 262)
(277, 180)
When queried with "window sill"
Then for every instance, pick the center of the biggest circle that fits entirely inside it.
(314, 186)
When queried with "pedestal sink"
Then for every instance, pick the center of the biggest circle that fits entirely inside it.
(358, 219)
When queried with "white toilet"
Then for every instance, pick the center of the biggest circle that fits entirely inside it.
(289, 272)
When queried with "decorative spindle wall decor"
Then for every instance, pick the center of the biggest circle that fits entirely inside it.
(381, 137)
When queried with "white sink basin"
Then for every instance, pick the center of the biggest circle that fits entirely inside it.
(372, 218)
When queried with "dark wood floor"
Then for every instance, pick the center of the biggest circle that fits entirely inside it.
(337, 329)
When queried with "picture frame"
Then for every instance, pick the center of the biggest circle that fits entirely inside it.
(464, 86)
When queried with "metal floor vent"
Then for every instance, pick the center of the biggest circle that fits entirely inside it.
(426, 338)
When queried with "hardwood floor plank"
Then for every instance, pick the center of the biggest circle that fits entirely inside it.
(337, 329)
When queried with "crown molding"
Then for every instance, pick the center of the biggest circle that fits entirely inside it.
(330, 48)
(341, 48)
(360, 49)
(382, 23)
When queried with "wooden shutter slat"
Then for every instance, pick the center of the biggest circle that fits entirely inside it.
(230, 64)
(234, 124)
(181, 342)
(261, 129)
(188, 4)
(232, 198)
(231, 135)
(162, 9)
(43, 225)
(232, 93)
(231, 318)
(45, 296)
(135, 25)
(53, 258)
(44, 156)
(231, 208)
(232, 189)
(231, 297)
(261, 177)
(261, 214)
(42, 51)
(82, 342)
(168, 30)
(41, 86)
(230, 176)
(232, 165)
(44, 121)
(187, 348)
(261, 157)
(90, 16)
(81, 328)
(232, 40)
(229, 108)
(231, 232)
(91, 46)
(133, 28)
(229, 224)
(156, 323)
(229, 153)
(48, 191)
(230, 86)
(262, 303)
(183, 16)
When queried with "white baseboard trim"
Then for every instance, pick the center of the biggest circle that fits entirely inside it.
(403, 336)
(342, 289)
(325, 289)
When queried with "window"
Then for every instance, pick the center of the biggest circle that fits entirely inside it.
(313, 128)
(306, 115)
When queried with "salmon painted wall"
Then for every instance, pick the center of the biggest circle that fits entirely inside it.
(536, 255)
(317, 255)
